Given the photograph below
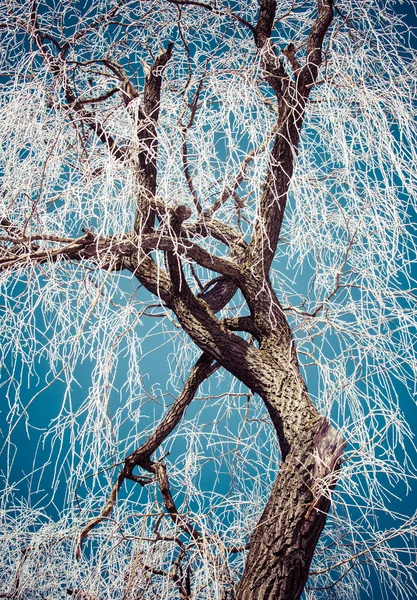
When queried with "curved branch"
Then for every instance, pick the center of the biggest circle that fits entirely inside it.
(201, 371)
(224, 266)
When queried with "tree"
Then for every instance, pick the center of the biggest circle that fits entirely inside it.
(240, 174)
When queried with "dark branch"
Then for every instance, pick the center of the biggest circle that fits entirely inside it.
(292, 101)
(265, 22)
(148, 143)
(315, 44)
(202, 369)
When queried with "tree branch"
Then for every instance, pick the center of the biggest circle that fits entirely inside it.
(201, 371)
(292, 101)
(184, 132)
(148, 143)
(56, 68)
(315, 44)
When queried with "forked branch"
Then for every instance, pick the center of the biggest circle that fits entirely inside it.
(292, 101)
(203, 368)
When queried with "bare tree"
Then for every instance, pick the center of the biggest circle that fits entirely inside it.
(241, 175)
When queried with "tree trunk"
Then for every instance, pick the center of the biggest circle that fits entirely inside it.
(284, 540)
(283, 543)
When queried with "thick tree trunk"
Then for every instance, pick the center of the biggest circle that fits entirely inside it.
(283, 543)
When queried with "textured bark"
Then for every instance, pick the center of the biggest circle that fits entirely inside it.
(283, 542)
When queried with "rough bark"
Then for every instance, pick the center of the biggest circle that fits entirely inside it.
(283, 542)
